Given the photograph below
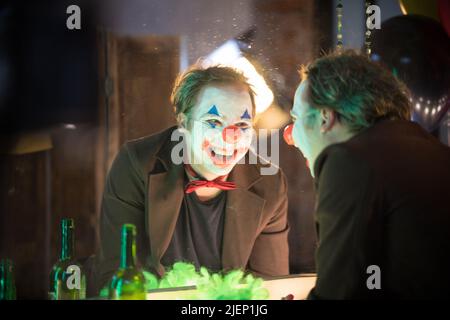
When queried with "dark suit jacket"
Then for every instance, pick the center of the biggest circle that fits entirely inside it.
(146, 188)
(384, 199)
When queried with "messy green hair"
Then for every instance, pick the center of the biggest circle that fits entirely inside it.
(188, 85)
(360, 91)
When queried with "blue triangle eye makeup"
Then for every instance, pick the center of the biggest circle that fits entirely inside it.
(213, 111)
(246, 116)
(212, 125)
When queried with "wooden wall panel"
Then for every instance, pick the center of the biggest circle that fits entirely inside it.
(37, 190)
(136, 77)
(73, 187)
(24, 220)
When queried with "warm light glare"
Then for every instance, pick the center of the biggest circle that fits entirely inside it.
(70, 126)
(230, 55)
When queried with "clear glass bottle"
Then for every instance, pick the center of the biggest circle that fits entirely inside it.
(67, 279)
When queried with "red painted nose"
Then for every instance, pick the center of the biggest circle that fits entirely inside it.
(231, 134)
(287, 135)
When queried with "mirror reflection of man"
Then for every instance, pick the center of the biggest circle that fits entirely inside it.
(210, 210)
(382, 184)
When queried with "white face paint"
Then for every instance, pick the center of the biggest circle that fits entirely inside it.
(220, 127)
(307, 139)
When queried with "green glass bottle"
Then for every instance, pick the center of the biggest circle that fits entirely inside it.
(7, 284)
(67, 279)
(128, 283)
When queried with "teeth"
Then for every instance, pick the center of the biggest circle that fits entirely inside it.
(226, 153)
(218, 155)
(221, 158)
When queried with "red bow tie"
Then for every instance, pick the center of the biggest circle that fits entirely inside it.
(216, 183)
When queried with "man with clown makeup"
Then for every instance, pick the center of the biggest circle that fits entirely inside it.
(214, 208)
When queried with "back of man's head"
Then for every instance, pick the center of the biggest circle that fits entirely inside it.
(360, 91)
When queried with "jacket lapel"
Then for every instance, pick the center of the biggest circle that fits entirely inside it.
(165, 196)
(242, 217)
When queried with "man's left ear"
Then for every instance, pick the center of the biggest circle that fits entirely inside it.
(182, 120)
(328, 118)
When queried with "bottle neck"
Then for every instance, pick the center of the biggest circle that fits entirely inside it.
(67, 239)
(128, 247)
